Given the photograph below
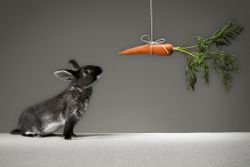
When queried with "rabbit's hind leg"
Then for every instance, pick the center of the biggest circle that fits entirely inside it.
(30, 125)
(31, 134)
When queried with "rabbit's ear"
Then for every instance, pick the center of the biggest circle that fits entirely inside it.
(74, 65)
(65, 75)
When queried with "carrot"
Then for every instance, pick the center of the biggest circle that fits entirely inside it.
(156, 49)
(206, 51)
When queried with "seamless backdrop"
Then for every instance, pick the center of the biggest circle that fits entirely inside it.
(139, 93)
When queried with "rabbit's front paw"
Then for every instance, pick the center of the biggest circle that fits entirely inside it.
(68, 136)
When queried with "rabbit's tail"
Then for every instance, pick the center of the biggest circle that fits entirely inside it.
(15, 132)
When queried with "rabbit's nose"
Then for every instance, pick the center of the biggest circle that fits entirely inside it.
(99, 70)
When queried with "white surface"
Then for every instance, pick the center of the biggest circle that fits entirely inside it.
(128, 150)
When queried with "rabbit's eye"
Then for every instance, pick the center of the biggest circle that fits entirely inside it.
(88, 71)
(84, 74)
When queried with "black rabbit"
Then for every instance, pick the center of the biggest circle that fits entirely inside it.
(65, 109)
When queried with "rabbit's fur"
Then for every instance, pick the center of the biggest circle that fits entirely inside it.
(65, 109)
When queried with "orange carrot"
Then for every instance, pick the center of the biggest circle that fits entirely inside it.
(156, 49)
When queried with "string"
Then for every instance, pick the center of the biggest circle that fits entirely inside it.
(149, 38)
(151, 20)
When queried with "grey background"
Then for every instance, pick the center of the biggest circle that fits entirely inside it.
(140, 93)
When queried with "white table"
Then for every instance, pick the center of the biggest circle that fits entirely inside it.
(128, 150)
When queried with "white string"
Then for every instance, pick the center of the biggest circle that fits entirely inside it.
(151, 20)
(149, 38)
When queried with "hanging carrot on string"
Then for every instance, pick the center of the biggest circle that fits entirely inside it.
(206, 52)
(157, 48)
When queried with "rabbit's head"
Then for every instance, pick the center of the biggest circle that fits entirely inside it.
(83, 77)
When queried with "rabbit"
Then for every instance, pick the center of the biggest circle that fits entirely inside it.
(65, 109)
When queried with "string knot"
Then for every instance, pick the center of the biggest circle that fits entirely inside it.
(148, 39)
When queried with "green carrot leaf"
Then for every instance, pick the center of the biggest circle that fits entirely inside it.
(224, 35)
(201, 55)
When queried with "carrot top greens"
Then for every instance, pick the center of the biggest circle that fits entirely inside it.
(208, 51)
